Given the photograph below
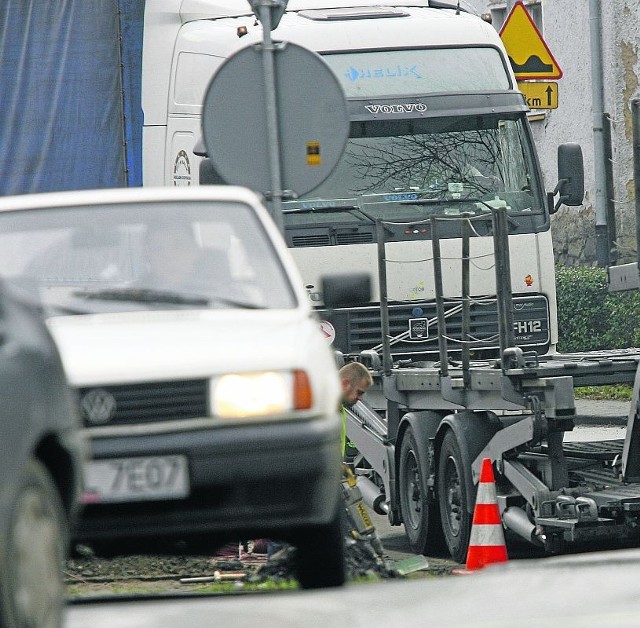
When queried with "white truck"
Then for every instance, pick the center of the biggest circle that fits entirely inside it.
(435, 115)
(438, 195)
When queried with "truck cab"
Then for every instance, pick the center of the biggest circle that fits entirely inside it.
(437, 127)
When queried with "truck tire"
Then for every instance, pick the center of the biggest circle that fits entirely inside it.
(35, 544)
(419, 512)
(320, 555)
(452, 496)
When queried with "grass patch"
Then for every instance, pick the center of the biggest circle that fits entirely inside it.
(615, 392)
(267, 585)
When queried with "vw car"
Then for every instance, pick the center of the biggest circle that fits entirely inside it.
(207, 391)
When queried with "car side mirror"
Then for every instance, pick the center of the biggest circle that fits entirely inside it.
(570, 187)
(346, 289)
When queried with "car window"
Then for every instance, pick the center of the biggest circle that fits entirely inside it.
(216, 253)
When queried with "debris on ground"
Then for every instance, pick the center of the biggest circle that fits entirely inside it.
(230, 563)
(361, 562)
(242, 563)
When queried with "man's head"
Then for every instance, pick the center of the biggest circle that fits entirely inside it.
(355, 379)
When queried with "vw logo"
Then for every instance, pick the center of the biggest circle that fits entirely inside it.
(98, 406)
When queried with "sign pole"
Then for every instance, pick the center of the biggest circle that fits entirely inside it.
(268, 50)
(301, 113)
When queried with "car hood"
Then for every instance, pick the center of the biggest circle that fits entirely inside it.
(154, 346)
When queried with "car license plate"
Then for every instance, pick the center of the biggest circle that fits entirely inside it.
(136, 479)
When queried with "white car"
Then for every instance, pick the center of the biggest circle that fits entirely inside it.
(209, 394)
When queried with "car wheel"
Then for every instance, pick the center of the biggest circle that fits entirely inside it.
(31, 585)
(320, 555)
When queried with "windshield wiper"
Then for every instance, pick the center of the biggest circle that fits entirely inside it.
(351, 208)
(143, 295)
(442, 201)
(148, 295)
(320, 208)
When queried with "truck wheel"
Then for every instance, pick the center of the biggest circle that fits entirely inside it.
(452, 496)
(35, 544)
(419, 513)
(320, 555)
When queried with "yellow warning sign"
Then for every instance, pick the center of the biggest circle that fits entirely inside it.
(313, 154)
(541, 94)
(528, 53)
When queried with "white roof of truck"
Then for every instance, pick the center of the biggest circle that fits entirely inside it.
(426, 27)
(202, 9)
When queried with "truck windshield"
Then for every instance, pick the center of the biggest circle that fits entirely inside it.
(411, 169)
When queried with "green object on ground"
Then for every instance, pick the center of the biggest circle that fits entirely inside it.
(411, 564)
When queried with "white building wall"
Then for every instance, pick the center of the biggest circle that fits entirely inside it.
(566, 30)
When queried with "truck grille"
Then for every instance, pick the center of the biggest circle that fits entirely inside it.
(358, 329)
(329, 236)
(143, 403)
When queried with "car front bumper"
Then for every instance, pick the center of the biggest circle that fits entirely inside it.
(261, 479)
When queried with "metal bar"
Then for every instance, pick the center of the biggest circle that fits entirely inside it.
(466, 305)
(502, 341)
(630, 456)
(273, 135)
(503, 279)
(437, 276)
(387, 359)
(557, 460)
(526, 483)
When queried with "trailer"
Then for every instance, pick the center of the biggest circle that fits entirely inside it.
(426, 426)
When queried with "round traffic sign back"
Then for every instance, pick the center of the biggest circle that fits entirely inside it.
(313, 121)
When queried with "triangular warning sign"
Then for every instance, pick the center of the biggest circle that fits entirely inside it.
(528, 53)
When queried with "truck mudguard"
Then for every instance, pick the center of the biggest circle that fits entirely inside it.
(473, 431)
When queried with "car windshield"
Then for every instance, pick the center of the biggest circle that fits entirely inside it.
(107, 258)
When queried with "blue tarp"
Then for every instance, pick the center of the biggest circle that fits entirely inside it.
(63, 95)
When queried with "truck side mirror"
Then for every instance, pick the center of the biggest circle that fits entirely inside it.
(346, 289)
(570, 176)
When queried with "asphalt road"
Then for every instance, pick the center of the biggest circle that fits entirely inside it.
(597, 589)
(601, 412)
(550, 591)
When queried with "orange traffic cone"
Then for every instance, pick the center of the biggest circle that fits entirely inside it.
(486, 543)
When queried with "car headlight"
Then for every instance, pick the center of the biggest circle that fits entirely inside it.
(246, 395)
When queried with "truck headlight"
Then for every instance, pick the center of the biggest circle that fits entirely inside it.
(246, 395)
